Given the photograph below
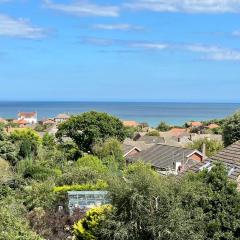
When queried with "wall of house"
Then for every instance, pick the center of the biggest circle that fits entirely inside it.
(196, 157)
(132, 153)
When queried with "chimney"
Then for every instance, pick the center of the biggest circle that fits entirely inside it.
(204, 150)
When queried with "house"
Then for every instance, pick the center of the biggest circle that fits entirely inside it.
(21, 122)
(48, 121)
(229, 156)
(3, 121)
(62, 117)
(129, 150)
(167, 159)
(29, 117)
(149, 139)
(130, 123)
(195, 124)
(213, 126)
(177, 132)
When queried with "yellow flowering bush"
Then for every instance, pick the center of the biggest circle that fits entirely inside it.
(86, 229)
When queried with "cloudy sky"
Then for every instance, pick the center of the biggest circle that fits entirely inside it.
(141, 50)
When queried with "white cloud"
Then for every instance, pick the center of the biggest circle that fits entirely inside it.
(20, 28)
(120, 27)
(214, 52)
(206, 52)
(83, 8)
(186, 6)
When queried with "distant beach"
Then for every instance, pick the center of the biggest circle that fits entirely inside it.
(150, 112)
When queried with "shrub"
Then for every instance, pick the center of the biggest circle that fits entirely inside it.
(87, 228)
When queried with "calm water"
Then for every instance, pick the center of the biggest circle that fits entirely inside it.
(152, 113)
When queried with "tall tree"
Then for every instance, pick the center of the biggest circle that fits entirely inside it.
(90, 128)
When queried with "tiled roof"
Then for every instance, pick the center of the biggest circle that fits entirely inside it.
(176, 132)
(230, 156)
(163, 156)
(62, 116)
(27, 114)
(130, 123)
(196, 124)
(151, 139)
(128, 148)
(212, 126)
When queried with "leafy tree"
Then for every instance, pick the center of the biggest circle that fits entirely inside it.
(163, 127)
(8, 151)
(28, 141)
(212, 146)
(110, 152)
(231, 129)
(13, 225)
(69, 150)
(91, 127)
(48, 141)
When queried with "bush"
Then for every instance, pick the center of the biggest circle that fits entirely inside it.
(163, 127)
(88, 227)
(100, 185)
(231, 129)
(154, 133)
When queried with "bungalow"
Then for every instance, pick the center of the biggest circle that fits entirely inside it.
(230, 157)
(29, 117)
(213, 126)
(195, 124)
(130, 123)
(62, 117)
(129, 150)
(167, 159)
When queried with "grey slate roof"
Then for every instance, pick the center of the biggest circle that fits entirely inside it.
(127, 148)
(230, 156)
(163, 156)
(151, 139)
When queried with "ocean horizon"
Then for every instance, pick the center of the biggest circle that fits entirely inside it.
(175, 113)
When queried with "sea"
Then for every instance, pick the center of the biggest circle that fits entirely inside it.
(149, 112)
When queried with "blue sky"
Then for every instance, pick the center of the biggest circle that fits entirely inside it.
(146, 50)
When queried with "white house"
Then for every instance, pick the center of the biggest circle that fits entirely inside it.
(62, 117)
(29, 117)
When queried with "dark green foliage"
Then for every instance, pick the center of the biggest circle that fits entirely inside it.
(153, 133)
(91, 127)
(111, 153)
(231, 129)
(48, 141)
(163, 127)
(146, 206)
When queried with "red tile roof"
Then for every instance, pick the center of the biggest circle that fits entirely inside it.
(130, 123)
(27, 114)
(176, 132)
(196, 124)
(212, 126)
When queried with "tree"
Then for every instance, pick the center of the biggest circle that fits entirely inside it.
(163, 127)
(212, 146)
(48, 141)
(8, 151)
(28, 141)
(153, 133)
(13, 226)
(231, 129)
(89, 128)
(110, 152)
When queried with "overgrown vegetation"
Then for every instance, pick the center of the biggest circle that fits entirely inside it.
(36, 172)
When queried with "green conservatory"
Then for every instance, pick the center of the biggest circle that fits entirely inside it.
(85, 200)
